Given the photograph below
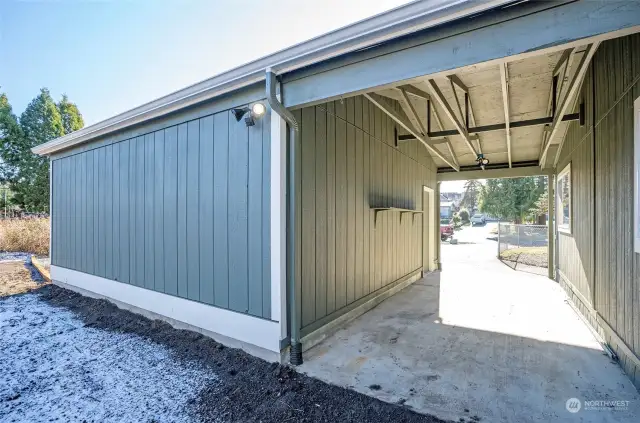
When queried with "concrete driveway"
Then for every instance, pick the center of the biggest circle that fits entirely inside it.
(478, 341)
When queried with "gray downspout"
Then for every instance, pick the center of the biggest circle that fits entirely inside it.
(295, 351)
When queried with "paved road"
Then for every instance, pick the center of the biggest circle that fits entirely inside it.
(474, 244)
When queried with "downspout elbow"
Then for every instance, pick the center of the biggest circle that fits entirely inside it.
(275, 104)
(295, 350)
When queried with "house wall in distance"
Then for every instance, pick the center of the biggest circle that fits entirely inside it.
(346, 164)
(598, 265)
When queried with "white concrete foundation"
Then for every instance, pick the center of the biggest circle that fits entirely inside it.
(259, 337)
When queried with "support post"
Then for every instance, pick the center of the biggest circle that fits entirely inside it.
(498, 256)
(437, 231)
(550, 222)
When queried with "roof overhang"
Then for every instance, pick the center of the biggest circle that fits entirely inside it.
(395, 23)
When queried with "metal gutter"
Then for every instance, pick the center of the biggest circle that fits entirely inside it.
(295, 350)
(394, 23)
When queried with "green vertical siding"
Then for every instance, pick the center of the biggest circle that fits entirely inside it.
(617, 74)
(598, 259)
(182, 210)
(576, 251)
(347, 164)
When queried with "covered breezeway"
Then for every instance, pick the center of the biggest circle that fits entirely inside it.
(377, 130)
(376, 133)
(476, 340)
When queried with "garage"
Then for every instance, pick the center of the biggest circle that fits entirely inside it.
(317, 173)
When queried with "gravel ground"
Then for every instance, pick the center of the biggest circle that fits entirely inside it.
(56, 368)
(139, 364)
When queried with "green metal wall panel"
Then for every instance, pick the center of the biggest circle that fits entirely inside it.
(598, 258)
(182, 210)
(348, 163)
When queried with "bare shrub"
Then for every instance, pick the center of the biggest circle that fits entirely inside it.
(30, 235)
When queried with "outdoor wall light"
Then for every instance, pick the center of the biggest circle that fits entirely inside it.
(482, 161)
(256, 111)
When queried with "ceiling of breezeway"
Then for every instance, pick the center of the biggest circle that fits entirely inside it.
(476, 96)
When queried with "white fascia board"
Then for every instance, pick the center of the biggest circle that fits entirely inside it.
(394, 23)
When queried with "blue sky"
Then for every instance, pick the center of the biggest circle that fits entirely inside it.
(109, 57)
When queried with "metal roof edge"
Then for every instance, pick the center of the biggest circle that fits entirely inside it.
(412, 17)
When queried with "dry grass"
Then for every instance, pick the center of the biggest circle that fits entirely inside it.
(525, 250)
(532, 256)
(25, 235)
(15, 278)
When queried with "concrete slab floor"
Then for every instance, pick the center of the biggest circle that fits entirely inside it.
(478, 340)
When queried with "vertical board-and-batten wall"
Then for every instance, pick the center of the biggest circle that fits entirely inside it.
(180, 206)
(597, 262)
(346, 164)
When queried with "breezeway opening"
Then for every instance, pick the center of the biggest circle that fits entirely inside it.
(475, 340)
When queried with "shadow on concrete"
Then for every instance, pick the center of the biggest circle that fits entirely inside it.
(465, 349)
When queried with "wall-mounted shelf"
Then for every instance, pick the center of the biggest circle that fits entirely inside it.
(402, 212)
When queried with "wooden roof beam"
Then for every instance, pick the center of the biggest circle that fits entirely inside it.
(436, 118)
(417, 92)
(504, 79)
(572, 90)
(403, 121)
(437, 94)
(559, 75)
(455, 81)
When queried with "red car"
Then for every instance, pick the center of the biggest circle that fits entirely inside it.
(446, 229)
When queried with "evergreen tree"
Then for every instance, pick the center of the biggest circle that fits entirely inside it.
(510, 198)
(10, 138)
(470, 196)
(43, 120)
(71, 117)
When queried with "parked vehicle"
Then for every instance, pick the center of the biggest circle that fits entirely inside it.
(478, 219)
(446, 229)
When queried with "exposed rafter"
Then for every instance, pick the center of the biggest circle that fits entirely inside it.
(504, 79)
(568, 99)
(418, 93)
(557, 82)
(563, 62)
(410, 111)
(470, 119)
(402, 120)
(415, 91)
(439, 97)
(453, 154)
(438, 121)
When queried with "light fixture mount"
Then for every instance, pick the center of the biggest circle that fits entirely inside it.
(256, 111)
(482, 160)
